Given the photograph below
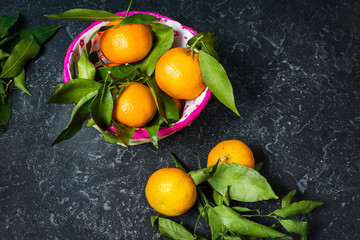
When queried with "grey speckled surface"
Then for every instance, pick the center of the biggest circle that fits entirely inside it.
(294, 66)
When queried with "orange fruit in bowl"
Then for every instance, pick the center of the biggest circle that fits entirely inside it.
(135, 106)
(231, 151)
(178, 74)
(170, 191)
(127, 43)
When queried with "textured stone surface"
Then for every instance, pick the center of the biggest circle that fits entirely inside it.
(294, 66)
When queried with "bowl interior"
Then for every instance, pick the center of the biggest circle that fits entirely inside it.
(182, 34)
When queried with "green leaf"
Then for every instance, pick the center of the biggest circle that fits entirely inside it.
(86, 15)
(301, 228)
(20, 83)
(171, 110)
(153, 130)
(73, 90)
(297, 208)
(218, 198)
(258, 166)
(242, 209)
(6, 22)
(91, 123)
(157, 98)
(216, 226)
(202, 209)
(163, 40)
(203, 37)
(101, 107)
(207, 48)
(124, 133)
(41, 34)
(5, 110)
(172, 230)
(216, 79)
(226, 196)
(80, 114)
(286, 201)
(4, 39)
(125, 72)
(118, 93)
(227, 237)
(109, 137)
(243, 226)
(24, 51)
(246, 184)
(3, 54)
(201, 175)
(138, 18)
(85, 67)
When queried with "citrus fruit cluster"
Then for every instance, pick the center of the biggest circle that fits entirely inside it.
(233, 178)
(172, 192)
(133, 77)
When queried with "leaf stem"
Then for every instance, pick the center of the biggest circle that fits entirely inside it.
(7, 86)
(198, 219)
(128, 9)
(192, 47)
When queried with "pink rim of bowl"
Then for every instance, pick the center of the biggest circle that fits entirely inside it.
(141, 133)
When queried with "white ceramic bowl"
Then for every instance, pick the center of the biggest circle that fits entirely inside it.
(182, 34)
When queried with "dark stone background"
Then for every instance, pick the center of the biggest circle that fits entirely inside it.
(294, 66)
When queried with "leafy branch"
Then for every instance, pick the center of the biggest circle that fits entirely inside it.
(16, 50)
(234, 222)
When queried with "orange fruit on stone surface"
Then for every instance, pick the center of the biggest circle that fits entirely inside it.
(231, 151)
(170, 191)
(126, 43)
(135, 106)
(178, 74)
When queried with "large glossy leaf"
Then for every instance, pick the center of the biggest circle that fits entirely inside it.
(73, 90)
(101, 107)
(216, 79)
(86, 15)
(301, 228)
(246, 184)
(24, 51)
(5, 110)
(243, 226)
(295, 208)
(138, 18)
(42, 34)
(81, 113)
(7, 21)
(171, 230)
(85, 67)
(20, 83)
(164, 38)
